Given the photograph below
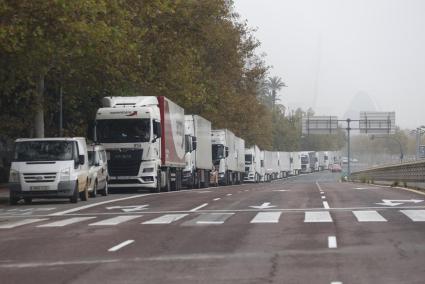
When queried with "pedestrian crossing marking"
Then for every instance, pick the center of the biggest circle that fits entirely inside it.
(415, 215)
(11, 225)
(166, 219)
(115, 220)
(369, 216)
(66, 222)
(266, 217)
(317, 217)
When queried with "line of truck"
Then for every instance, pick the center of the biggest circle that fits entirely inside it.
(151, 143)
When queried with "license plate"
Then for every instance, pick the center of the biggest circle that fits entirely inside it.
(39, 188)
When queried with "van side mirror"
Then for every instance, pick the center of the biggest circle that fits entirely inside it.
(227, 151)
(194, 143)
(81, 159)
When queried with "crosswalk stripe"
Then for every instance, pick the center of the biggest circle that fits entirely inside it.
(11, 225)
(415, 215)
(369, 216)
(266, 217)
(317, 217)
(208, 219)
(66, 222)
(166, 219)
(115, 220)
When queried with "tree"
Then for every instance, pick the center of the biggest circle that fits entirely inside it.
(275, 84)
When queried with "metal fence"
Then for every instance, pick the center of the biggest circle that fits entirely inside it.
(406, 172)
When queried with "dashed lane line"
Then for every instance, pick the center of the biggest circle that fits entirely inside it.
(120, 246)
(199, 207)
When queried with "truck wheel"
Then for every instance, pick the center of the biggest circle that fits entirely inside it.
(84, 195)
(94, 192)
(198, 180)
(74, 197)
(207, 179)
(167, 187)
(13, 200)
(28, 200)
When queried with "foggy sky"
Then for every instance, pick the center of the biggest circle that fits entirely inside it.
(327, 51)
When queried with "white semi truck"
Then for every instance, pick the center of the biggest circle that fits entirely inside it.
(284, 164)
(253, 164)
(271, 165)
(198, 152)
(145, 141)
(227, 152)
(295, 163)
(309, 162)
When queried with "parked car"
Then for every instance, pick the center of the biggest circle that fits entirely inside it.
(336, 168)
(98, 171)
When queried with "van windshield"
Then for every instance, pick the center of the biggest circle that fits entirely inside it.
(123, 130)
(28, 151)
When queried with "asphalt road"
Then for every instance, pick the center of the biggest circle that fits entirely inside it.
(308, 229)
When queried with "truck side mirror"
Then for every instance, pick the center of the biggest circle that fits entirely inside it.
(81, 159)
(157, 129)
(194, 143)
(227, 151)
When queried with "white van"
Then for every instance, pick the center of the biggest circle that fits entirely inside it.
(49, 168)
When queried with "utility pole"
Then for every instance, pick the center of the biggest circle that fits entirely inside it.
(60, 112)
(348, 147)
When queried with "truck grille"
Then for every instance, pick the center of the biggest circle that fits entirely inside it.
(39, 177)
(125, 163)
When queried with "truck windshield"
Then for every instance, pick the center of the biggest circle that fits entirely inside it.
(217, 151)
(29, 151)
(304, 160)
(248, 159)
(123, 130)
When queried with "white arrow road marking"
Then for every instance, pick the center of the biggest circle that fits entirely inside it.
(266, 217)
(131, 208)
(10, 225)
(121, 245)
(395, 202)
(415, 215)
(369, 216)
(265, 205)
(115, 220)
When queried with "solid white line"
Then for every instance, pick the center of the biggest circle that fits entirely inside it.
(216, 199)
(317, 217)
(266, 217)
(97, 204)
(369, 216)
(66, 222)
(121, 245)
(199, 207)
(336, 282)
(10, 225)
(415, 215)
(166, 219)
(332, 242)
(115, 220)
(325, 205)
(210, 222)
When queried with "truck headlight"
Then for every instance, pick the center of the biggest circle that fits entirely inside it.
(14, 176)
(148, 170)
(65, 175)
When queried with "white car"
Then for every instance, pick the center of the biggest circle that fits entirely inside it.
(98, 171)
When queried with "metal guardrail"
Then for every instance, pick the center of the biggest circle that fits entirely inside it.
(406, 172)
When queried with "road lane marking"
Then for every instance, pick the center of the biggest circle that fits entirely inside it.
(332, 242)
(325, 205)
(120, 246)
(199, 207)
(229, 194)
(318, 186)
(209, 219)
(323, 197)
(66, 222)
(317, 217)
(369, 216)
(336, 282)
(216, 199)
(266, 217)
(166, 219)
(415, 215)
(322, 192)
(11, 225)
(115, 220)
